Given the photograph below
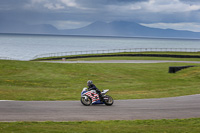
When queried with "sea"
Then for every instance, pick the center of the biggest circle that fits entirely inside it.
(26, 47)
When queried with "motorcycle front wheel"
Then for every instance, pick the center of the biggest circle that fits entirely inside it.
(108, 100)
(86, 101)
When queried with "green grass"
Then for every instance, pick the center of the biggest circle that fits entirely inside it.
(135, 126)
(21, 80)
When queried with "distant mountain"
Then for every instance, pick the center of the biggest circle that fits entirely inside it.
(20, 27)
(129, 29)
(115, 28)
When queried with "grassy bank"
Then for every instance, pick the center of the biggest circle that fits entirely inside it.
(143, 126)
(21, 80)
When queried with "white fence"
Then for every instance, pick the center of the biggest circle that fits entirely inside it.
(117, 51)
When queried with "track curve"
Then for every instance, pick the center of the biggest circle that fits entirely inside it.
(162, 108)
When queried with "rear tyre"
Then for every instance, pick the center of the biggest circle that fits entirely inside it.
(86, 102)
(108, 100)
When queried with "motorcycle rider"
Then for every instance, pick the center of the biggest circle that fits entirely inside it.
(91, 86)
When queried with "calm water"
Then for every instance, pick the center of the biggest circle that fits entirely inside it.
(25, 47)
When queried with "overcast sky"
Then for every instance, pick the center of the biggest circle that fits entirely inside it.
(69, 14)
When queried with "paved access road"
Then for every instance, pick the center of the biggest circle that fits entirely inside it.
(163, 108)
(123, 61)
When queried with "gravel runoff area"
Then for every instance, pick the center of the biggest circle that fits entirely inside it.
(123, 61)
(158, 108)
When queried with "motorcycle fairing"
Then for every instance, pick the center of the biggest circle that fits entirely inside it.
(93, 96)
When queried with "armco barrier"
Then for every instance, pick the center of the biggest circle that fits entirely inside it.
(133, 55)
(74, 53)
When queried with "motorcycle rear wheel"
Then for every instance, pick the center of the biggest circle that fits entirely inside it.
(109, 101)
(86, 102)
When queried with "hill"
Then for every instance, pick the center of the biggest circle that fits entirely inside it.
(129, 29)
(115, 28)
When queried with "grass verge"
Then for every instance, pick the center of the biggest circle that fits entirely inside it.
(20, 80)
(135, 126)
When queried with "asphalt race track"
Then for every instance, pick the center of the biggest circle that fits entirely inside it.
(163, 108)
(124, 61)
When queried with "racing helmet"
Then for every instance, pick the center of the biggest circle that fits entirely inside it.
(89, 82)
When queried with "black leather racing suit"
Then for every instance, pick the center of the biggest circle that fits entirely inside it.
(93, 87)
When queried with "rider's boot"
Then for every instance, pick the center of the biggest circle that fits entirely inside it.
(100, 97)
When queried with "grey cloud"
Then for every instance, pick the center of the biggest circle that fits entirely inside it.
(192, 1)
(12, 4)
(90, 11)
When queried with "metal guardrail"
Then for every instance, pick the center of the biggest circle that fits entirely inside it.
(60, 54)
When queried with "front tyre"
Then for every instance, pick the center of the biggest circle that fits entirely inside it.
(108, 100)
(86, 101)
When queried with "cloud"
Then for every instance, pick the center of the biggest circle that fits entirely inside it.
(52, 6)
(6, 5)
(76, 13)
(159, 6)
(70, 3)
(169, 6)
(178, 26)
(68, 24)
(38, 1)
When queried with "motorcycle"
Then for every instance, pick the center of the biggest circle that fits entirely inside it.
(91, 97)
